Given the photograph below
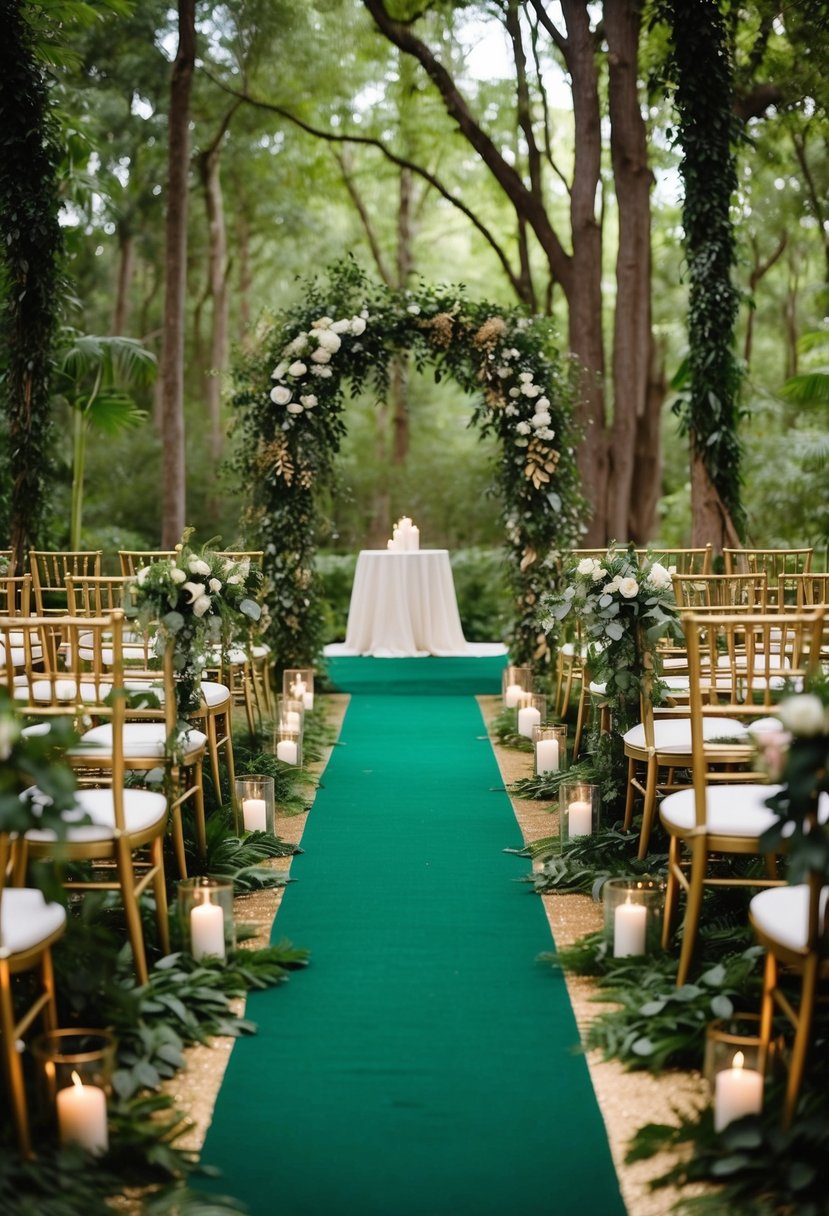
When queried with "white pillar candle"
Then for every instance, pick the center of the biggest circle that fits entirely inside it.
(298, 689)
(286, 751)
(528, 717)
(738, 1091)
(414, 538)
(629, 923)
(390, 545)
(292, 719)
(253, 814)
(207, 931)
(546, 756)
(308, 700)
(512, 695)
(82, 1116)
(580, 819)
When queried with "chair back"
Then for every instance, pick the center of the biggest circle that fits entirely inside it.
(799, 592)
(49, 569)
(725, 592)
(15, 594)
(772, 562)
(132, 560)
(741, 666)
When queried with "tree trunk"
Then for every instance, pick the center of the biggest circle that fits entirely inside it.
(647, 486)
(123, 285)
(217, 257)
(245, 276)
(632, 318)
(711, 520)
(175, 266)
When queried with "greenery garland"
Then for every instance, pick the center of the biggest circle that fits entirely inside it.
(290, 402)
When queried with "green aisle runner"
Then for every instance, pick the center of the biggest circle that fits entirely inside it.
(423, 1064)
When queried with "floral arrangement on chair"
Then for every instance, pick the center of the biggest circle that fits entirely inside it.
(195, 601)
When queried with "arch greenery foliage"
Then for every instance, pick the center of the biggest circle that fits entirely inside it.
(291, 416)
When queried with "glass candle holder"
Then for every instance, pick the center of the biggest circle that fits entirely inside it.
(633, 910)
(290, 713)
(255, 804)
(549, 749)
(298, 685)
(75, 1074)
(735, 1067)
(532, 710)
(205, 911)
(578, 805)
(514, 682)
(288, 745)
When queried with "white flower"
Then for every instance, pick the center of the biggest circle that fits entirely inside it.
(215, 584)
(803, 714)
(515, 392)
(358, 325)
(658, 577)
(299, 344)
(414, 309)
(341, 327)
(196, 565)
(297, 368)
(309, 401)
(542, 403)
(202, 605)
(511, 411)
(628, 587)
(544, 432)
(9, 734)
(523, 428)
(598, 571)
(234, 580)
(328, 340)
(525, 377)
(542, 418)
(295, 408)
(324, 372)
(323, 323)
(503, 372)
(530, 390)
(514, 354)
(321, 355)
(141, 576)
(364, 313)
(194, 590)
(585, 566)
(177, 574)
(280, 395)
(612, 586)
(279, 371)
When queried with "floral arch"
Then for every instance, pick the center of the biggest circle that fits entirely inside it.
(290, 400)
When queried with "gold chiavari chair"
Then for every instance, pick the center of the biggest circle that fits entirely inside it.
(132, 560)
(790, 925)
(799, 592)
(29, 927)
(721, 592)
(245, 667)
(772, 562)
(49, 569)
(123, 836)
(93, 597)
(740, 666)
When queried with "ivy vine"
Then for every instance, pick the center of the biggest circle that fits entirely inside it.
(290, 404)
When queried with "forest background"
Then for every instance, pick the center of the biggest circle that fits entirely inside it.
(525, 150)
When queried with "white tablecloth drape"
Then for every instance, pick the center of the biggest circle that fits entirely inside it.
(403, 606)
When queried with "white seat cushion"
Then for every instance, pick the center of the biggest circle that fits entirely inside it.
(63, 689)
(142, 740)
(142, 809)
(674, 734)
(260, 650)
(731, 810)
(782, 913)
(214, 694)
(27, 919)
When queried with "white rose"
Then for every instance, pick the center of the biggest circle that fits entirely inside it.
(511, 411)
(309, 401)
(177, 574)
(197, 566)
(658, 577)
(612, 586)
(515, 392)
(514, 354)
(503, 372)
(297, 368)
(328, 340)
(299, 344)
(544, 432)
(525, 377)
(585, 566)
(295, 408)
(542, 403)
(629, 588)
(202, 605)
(323, 323)
(141, 576)
(358, 325)
(542, 418)
(523, 428)
(530, 390)
(194, 590)
(341, 327)
(215, 584)
(323, 372)
(414, 309)
(280, 395)
(598, 571)
(279, 371)
(321, 355)
(803, 714)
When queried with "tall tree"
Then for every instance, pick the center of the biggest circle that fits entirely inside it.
(30, 275)
(175, 269)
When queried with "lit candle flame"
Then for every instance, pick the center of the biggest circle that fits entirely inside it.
(738, 1061)
(76, 1081)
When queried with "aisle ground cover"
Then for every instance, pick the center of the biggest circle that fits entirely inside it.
(413, 677)
(424, 1064)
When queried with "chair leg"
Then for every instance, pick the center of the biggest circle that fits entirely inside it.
(580, 717)
(201, 827)
(648, 808)
(230, 761)
(213, 749)
(135, 932)
(12, 1064)
(800, 1048)
(160, 892)
(177, 832)
(693, 909)
(767, 1007)
(671, 891)
(631, 795)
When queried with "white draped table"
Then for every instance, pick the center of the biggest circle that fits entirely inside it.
(403, 606)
